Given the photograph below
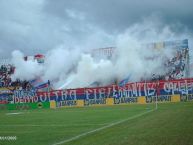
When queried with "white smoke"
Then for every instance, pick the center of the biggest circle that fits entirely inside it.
(133, 54)
(59, 62)
(25, 70)
(70, 68)
(89, 71)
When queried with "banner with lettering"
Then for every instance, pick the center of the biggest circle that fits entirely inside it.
(129, 92)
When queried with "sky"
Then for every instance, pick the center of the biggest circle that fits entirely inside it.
(36, 26)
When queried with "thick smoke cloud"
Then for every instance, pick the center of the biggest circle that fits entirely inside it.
(25, 70)
(69, 68)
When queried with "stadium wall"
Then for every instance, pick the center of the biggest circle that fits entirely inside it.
(131, 93)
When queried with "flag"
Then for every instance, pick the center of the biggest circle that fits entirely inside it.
(124, 82)
(42, 86)
(39, 84)
(36, 82)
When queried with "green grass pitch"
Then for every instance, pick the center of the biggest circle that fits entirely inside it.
(170, 124)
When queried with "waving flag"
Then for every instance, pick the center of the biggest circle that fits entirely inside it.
(44, 85)
(125, 81)
(36, 82)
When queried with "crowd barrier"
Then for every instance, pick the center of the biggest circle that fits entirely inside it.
(138, 93)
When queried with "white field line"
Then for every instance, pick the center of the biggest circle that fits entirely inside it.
(14, 113)
(101, 128)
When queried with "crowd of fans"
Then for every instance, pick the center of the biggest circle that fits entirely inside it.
(177, 65)
(5, 75)
(5, 78)
(174, 67)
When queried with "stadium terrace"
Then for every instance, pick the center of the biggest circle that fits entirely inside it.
(174, 86)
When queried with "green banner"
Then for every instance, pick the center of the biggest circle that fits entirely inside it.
(28, 106)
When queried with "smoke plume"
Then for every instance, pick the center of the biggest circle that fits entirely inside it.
(70, 68)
